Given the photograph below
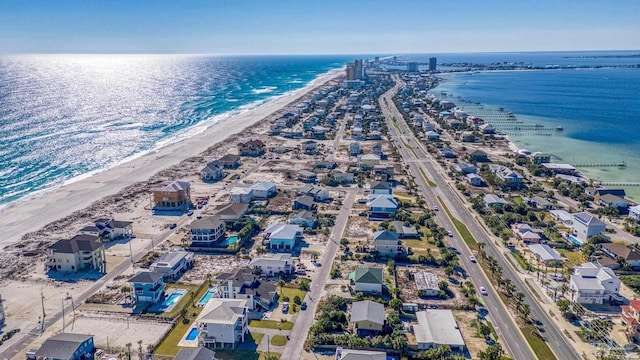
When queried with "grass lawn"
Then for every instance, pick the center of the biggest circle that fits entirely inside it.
(573, 257)
(518, 200)
(243, 355)
(420, 247)
(539, 346)
(186, 298)
(522, 261)
(424, 175)
(404, 197)
(279, 340)
(256, 337)
(291, 293)
(169, 345)
(461, 227)
(271, 324)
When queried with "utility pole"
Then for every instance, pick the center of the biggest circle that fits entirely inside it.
(43, 314)
(63, 324)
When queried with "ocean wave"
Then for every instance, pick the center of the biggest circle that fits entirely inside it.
(264, 90)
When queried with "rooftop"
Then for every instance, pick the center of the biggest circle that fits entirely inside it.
(368, 275)
(61, 346)
(545, 252)
(146, 277)
(367, 311)
(437, 326)
(76, 244)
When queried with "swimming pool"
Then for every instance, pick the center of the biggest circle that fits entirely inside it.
(192, 335)
(169, 302)
(207, 296)
(574, 240)
(230, 240)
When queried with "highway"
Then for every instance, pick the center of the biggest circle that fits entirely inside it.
(513, 341)
(556, 340)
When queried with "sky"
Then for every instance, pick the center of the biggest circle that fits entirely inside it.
(316, 26)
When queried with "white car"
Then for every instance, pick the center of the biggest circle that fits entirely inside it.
(435, 208)
(450, 234)
(472, 258)
(483, 291)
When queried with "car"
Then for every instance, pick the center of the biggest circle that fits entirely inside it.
(472, 258)
(303, 306)
(190, 212)
(301, 272)
(483, 291)
(173, 226)
(455, 250)
(435, 208)
(450, 234)
(285, 306)
(362, 213)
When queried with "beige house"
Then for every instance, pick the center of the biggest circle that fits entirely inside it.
(367, 315)
(171, 195)
(81, 252)
(251, 148)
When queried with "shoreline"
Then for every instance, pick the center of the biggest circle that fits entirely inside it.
(33, 213)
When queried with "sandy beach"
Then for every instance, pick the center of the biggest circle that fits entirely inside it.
(29, 215)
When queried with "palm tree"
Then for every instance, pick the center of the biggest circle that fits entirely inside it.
(128, 345)
(140, 348)
(281, 285)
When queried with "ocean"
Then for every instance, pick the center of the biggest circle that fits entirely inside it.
(598, 109)
(64, 117)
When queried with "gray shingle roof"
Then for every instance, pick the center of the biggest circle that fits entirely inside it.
(62, 346)
(207, 222)
(146, 277)
(76, 244)
(201, 353)
(367, 310)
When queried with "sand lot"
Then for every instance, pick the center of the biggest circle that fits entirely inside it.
(118, 332)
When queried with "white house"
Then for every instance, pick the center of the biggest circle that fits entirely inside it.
(367, 279)
(368, 160)
(269, 266)
(222, 323)
(114, 229)
(214, 171)
(586, 225)
(507, 175)
(283, 236)
(172, 264)
(474, 179)
(263, 190)
(81, 252)
(546, 254)
(437, 327)
(242, 195)
(245, 284)
(351, 354)
(634, 212)
(387, 243)
(594, 284)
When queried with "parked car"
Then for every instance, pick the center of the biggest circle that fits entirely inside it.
(303, 306)
(173, 226)
(472, 258)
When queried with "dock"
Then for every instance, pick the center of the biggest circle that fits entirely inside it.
(613, 164)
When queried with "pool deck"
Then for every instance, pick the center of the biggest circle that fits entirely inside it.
(188, 343)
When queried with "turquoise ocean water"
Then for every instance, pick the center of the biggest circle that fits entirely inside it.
(599, 109)
(65, 116)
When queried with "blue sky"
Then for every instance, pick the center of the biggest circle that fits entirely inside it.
(316, 26)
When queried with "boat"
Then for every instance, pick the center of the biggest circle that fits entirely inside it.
(443, 93)
(559, 128)
(500, 109)
(538, 125)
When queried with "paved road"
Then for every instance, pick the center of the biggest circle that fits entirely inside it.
(28, 338)
(304, 321)
(513, 341)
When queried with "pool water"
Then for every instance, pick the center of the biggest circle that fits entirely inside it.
(192, 335)
(230, 240)
(207, 296)
(574, 240)
(172, 300)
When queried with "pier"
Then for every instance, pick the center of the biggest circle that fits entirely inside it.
(613, 164)
(609, 183)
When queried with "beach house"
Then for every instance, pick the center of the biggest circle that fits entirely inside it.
(199, 353)
(426, 283)
(172, 264)
(229, 161)
(586, 225)
(437, 327)
(387, 243)
(352, 354)
(318, 193)
(232, 211)
(367, 279)
(147, 286)
(307, 176)
(251, 148)
(244, 284)
(212, 172)
(492, 200)
(270, 266)
(222, 324)
(634, 212)
(66, 346)
(309, 147)
(354, 148)
(546, 254)
(508, 176)
(206, 231)
(81, 252)
(613, 201)
(380, 187)
(405, 231)
(303, 218)
(114, 229)
(303, 202)
(171, 196)
(593, 284)
(367, 316)
(617, 251)
(477, 156)
(381, 206)
(474, 179)
(368, 161)
(283, 236)
(242, 195)
(263, 190)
